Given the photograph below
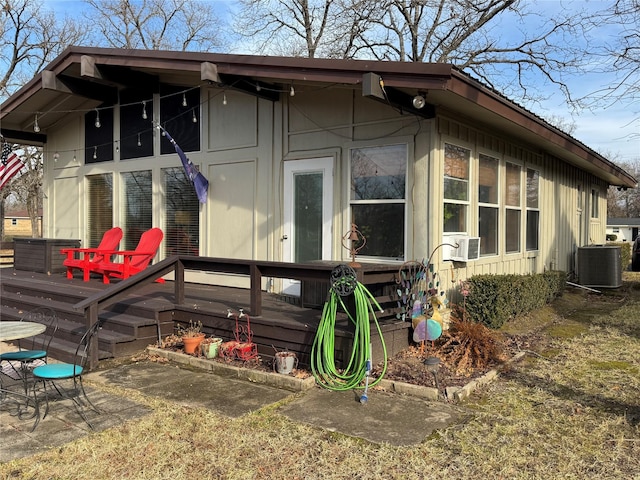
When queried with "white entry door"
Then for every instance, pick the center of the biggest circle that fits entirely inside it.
(308, 213)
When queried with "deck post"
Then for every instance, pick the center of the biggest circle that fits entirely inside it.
(256, 290)
(179, 282)
(92, 319)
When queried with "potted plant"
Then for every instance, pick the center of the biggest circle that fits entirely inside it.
(210, 346)
(192, 336)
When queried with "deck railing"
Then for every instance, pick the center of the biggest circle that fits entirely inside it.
(255, 270)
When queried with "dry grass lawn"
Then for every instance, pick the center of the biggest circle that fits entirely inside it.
(570, 410)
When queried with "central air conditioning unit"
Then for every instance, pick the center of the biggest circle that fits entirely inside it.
(600, 266)
(468, 248)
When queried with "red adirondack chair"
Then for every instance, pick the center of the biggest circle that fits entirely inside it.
(85, 258)
(133, 261)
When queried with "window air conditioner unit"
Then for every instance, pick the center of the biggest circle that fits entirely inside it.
(468, 248)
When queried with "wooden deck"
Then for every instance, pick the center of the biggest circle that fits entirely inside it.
(139, 319)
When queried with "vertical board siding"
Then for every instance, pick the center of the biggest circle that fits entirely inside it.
(560, 227)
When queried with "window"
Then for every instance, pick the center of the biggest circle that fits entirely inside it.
(594, 204)
(533, 209)
(488, 211)
(179, 107)
(182, 222)
(378, 197)
(512, 207)
(100, 206)
(98, 135)
(136, 131)
(14, 222)
(456, 188)
(137, 205)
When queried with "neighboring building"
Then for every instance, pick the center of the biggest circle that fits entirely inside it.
(17, 223)
(625, 229)
(298, 149)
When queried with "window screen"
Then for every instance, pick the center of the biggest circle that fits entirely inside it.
(137, 206)
(100, 207)
(182, 221)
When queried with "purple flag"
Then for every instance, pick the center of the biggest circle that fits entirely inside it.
(199, 182)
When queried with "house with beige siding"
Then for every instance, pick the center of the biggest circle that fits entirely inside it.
(424, 161)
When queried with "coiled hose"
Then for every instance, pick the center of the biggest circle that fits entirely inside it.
(323, 364)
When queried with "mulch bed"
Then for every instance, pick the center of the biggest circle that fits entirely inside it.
(407, 366)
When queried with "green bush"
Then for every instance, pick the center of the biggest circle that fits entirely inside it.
(494, 299)
(625, 253)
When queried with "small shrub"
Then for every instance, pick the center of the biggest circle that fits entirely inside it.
(625, 252)
(470, 346)
(494, 299)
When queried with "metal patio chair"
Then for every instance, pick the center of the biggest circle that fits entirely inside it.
(54, 373)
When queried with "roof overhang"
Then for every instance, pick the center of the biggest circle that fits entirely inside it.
(83, 78)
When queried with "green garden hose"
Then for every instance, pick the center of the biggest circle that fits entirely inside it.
(323, 364)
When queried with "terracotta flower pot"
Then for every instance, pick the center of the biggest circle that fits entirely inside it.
(192, 343)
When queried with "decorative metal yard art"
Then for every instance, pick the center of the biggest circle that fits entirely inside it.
(420, 299)
(242, 348)
(354, 241)
(344, 284)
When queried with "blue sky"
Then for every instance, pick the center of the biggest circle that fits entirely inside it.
(612, 131)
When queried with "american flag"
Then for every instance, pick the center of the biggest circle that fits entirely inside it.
(10, 164)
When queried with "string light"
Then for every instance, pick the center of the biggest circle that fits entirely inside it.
(117, 147)
(98, 124)
(144, 110)
(139, 141)
(194, 119)
(184, 100)
(75, 160)
(36, 127)
(258, 87)
(224, 98)
(292, 92)
(56, 156)
(95, 152)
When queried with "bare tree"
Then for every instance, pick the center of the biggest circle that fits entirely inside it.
(306, 28)
(31, 36)
(625, 202)
(156, 24)
(504, 43)
(619, 55)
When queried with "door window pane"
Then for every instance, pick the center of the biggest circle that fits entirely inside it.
(307, 217)
(182, 221)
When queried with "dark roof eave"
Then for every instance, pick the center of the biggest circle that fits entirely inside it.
(396, 74)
